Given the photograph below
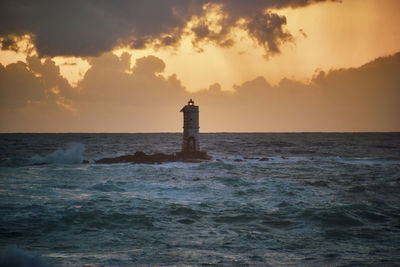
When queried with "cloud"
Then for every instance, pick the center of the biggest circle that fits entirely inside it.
(305, 35)
(115, 97)
(112, 95)
(268, 30)
(49, 74)
(19, 86)
(9, 43)
(33, 95)
(356, 99)
(90, 28)
(33, 82)
(149, 65)
(368, 96)
(111, 77)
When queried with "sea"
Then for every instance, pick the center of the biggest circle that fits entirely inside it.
(264, 199)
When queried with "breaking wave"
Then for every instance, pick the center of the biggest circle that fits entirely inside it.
(71, 154)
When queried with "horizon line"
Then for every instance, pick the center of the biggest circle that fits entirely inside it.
(216, 132)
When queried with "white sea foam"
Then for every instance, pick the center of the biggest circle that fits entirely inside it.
(72, 154)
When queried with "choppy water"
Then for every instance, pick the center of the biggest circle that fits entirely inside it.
(319, 199)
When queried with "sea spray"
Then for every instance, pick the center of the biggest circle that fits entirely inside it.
(72, 154)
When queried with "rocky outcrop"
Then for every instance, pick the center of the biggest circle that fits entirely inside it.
(158, 158)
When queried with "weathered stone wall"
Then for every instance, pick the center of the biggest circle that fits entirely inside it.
(190, 129)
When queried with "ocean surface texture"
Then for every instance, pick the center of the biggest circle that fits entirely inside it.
(264, 200)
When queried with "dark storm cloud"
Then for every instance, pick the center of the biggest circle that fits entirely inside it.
(268, 30)
(91, 27)
(84, 28)
(9, 43)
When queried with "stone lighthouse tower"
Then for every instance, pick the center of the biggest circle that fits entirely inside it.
(190, 143)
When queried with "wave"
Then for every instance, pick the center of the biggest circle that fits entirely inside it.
(109, 186)
(259, 159)
(363, 161)
(71, 154)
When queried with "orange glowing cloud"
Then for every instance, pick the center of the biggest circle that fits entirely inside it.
(250, 65)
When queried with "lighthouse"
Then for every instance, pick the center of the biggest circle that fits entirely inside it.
(190, 142)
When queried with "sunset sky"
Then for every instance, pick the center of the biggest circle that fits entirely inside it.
(251, 66)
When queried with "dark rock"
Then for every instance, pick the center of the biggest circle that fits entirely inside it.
(158, 158)
(85, 161)
(264, 159)
(140, 154)
(238, 160)
(192, 155)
